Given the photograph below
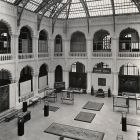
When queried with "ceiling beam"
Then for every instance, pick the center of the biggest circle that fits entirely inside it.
(42, 5)
(44, 10)
(68, 11)
(17, 2)
(86, 11)
(20, 10)
(58, 13)
(113, 11)
(137, 3)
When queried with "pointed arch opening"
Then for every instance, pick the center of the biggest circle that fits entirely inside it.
(5, 39)
(102, 41)
(26, 81)
(129, 41)
(43, 77)
(78, 42)
(129, 78)
(58, 74)
(43, 42)
(58, 44)
(25, 41)
(77, 76)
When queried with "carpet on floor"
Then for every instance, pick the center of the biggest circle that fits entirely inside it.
(133, 122)
(72, 132)
(93, 106)
(85, 117)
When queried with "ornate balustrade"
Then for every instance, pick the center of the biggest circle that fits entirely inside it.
(25, 55)
(129, 54)
(40, 54)
(58, 54)
(102, 54)
(78, 54)
(6, 57)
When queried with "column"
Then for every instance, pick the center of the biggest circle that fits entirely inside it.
(115, 83)
(14, 47)
(89, 44)
(89, 76)
(51, 79)
(51, 48)
(35, 83)
(66, 78)
(115, 48)
(35, 47)
(66, 48)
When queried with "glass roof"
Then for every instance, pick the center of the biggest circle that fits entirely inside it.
(69, 9)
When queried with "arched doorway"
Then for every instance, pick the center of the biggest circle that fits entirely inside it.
(5, 80)
(58, 74)
(43, 77)
(129, 78)
(25, 81)
(77, 76)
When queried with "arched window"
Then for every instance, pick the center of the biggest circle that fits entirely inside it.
(4, 39)
(58, 44)
(78, 42)
(102, 41)
(43, 42)
(129, 40)
(25, 41)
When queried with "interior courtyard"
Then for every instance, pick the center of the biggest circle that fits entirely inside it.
(79, 56)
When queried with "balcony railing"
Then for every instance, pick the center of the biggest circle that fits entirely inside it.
(6, 57)
(25, 55)
(129, 54)
(78, 54)
(58, 54)
(41, 55)
(102, 54)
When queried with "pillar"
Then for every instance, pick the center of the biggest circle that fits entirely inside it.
(115, 83)
(89, 44)
(89, 76)
(115, 48)
(66, 48)
(51, 48)
(51, 79)
(35, 47)
(66, 78)
(35, 83)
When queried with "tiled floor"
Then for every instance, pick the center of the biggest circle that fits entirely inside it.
(105, 120)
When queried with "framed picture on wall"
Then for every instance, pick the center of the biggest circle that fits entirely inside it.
(101, 81)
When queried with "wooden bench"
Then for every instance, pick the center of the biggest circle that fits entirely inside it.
(34, 100)
(9, 115)
(121, 101)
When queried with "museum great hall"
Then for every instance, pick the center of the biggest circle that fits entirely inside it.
(62, 54)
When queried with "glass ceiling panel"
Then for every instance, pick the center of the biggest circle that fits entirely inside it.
(76, 10)
(10, 1)
(33, 4)
(99, 7)
(125, 6)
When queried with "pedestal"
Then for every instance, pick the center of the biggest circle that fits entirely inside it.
(20, 126)
(124, 122)
(46, 109)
